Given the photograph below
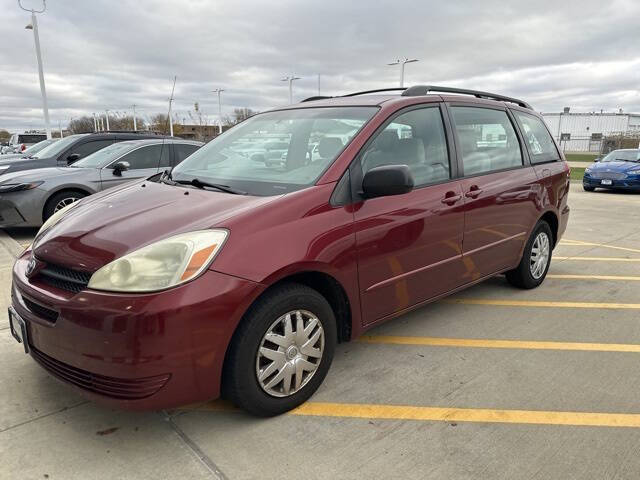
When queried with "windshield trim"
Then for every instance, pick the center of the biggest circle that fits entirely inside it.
(375, 109)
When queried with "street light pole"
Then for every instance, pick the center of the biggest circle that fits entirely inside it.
(290, 79)
(107, 117)
(135, 125)
(95, 123)
(170, 102)
(34, 26)
(402, 64)
(219, 91)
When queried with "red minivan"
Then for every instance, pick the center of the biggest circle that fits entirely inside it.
(228, 276)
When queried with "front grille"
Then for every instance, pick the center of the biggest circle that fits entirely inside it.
(609, 175)
(64, 278)
(40, 311)
(128, 389)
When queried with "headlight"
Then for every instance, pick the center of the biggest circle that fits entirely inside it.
(587, 170)
(4, 167)
(16, 187)
(635, 171)
(55, 218)
(161, 265)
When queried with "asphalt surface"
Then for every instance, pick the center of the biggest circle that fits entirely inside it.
(493, 383)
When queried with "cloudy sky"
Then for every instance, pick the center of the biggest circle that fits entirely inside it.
(111, 54)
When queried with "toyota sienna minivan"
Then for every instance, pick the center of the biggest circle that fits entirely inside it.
(229, 277)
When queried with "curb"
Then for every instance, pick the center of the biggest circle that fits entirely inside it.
(10, 245)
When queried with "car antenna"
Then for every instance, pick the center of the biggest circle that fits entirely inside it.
(167, 122)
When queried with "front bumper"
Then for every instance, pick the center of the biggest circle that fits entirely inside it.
(22, 209)
(134, 351)
(629, 183)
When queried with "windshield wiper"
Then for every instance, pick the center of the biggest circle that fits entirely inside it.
(196, 182)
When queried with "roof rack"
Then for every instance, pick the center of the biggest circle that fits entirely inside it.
(419, 90)
(141, 132)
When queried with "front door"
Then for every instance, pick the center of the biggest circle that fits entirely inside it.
(409, 246)
(143, 162)
(500, 190)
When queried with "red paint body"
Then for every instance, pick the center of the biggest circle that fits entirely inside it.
(388, 254)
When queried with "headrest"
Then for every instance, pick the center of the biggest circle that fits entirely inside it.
(329, 146)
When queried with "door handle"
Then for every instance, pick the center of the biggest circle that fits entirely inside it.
(473, 192)
(450, 198)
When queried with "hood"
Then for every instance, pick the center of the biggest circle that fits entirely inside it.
(41, 174)
(615, 166)
(111, 224)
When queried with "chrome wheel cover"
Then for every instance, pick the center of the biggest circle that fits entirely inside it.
(540, 252)
(64, 202)
(290, 353)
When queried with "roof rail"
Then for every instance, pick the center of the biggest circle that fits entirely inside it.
(315, 97)
(419, 90)
(141, 132)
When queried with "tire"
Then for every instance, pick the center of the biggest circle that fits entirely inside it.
(245, 360)
(61, 198)
(588, 189)
(525, 275)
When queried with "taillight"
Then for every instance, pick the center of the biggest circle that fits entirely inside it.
(23, 147)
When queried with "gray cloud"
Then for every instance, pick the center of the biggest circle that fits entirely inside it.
(111, 54)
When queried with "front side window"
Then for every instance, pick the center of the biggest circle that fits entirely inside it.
(539, 141)
(104, 156)
(147, 157)
(488, 141)
(416, 139)
(276, 152)
(90, 147)
(59, 146)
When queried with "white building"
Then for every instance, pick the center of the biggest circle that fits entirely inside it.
(583, 132)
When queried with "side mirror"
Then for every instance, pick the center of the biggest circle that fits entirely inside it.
(72, 158)
(120, 167)
(387, 180)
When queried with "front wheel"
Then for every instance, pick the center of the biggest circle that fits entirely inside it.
(588, 189)
(61, 200)
(281, 351)
(536, 258)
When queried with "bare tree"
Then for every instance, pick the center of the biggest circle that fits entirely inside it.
(81, 125)
(4, 135)
(240, 114)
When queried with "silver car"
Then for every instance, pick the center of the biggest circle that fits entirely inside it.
(28, 198)
(32, 150)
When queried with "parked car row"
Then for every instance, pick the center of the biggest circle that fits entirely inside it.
(226, 276)
(19, 142)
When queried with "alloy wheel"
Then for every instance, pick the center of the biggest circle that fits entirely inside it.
(539, 255)
(290, 353)
(64, 202)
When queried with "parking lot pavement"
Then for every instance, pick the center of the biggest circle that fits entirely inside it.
(492, 383)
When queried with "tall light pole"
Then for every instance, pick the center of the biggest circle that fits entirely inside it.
(95, 123)
(135, 125)
(170, 102)
(290, 79)
(402, 63)
(318, 84)
(107, 117)
(219, 91)
(34, 26)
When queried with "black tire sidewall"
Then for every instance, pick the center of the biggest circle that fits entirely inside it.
(245, 389)
(53, 201)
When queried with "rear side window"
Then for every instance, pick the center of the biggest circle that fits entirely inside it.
(416, 139)
(183, 150)
(31, 138)
(540, 144)
(147, 157)
(488, 141)
(90, 147)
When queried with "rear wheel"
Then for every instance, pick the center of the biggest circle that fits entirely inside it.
(536, 258)
(61, 200)
(281, 351)
(588, 189)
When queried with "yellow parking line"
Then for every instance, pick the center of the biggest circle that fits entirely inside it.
(533, 303)
(488, 343)
(598, 259)
(448, 414)
(577, 243)
(595, 277)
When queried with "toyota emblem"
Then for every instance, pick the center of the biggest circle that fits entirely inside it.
(31, 266)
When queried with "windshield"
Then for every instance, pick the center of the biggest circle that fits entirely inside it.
(58, 147)
(274, 153)
(105, 156)
(33, 149)
(622, 155)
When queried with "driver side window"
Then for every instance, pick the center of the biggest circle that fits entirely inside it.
(416, 139)
(147, 157)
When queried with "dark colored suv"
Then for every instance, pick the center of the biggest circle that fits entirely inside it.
(69, 149)
(229, 277)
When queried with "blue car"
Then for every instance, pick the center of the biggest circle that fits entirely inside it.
(620, 169)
